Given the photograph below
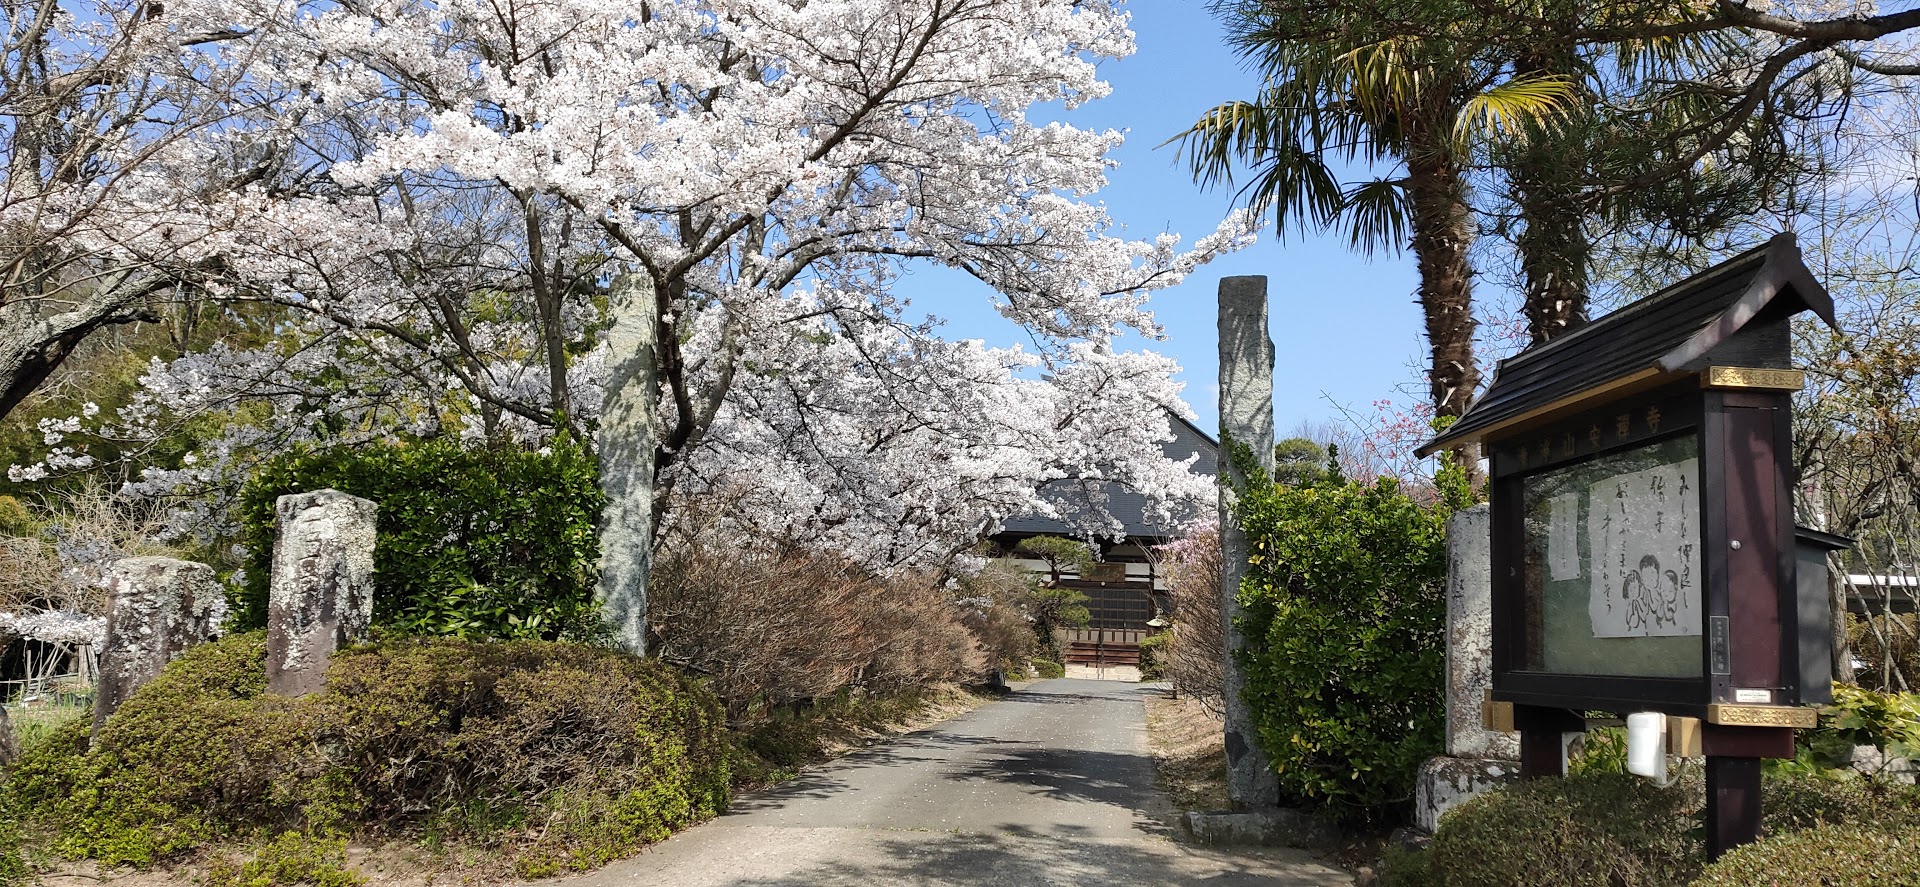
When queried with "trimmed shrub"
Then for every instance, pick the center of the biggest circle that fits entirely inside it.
(291, 859)
(1401, 867)
(1047, 668)
(13, 868)
(414, 736)
(1153, 656)
(1790, 802)
(773, 626)
(474, 543)
(1343, 616)
(1600, 830)
(1822, 856)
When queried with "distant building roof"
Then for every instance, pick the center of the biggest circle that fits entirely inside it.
(1647, 342)
(1128, 505)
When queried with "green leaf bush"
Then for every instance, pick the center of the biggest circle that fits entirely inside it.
(562, 755)
(1823, 856)
(292, 858)
(1794, 801)
(478, 543)
(1614, 830)
(1343, 618)
(1597, 830)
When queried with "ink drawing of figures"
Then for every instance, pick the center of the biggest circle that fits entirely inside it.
(1641, 534)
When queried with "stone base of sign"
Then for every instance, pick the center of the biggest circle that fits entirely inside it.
(1274, 827)
(1443, 783)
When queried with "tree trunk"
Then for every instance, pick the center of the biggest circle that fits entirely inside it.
(33, 346)
(1442, 231)
(627, 452)
(1545, 172)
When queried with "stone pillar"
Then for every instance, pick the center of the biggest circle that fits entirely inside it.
(1477, 758)
(157, 609)
(1246, 419)
(1470, 637)
(626, 446)
(9, 742)
(320, 597)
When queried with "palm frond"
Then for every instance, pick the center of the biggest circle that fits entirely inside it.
(1378, 215)
(1541, 99)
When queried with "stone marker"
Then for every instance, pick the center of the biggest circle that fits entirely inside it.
(1246, 418)
(9, 742)
(320, 597)
(1477, 759)
(157, 609)
(1470, 637)
(626, 446)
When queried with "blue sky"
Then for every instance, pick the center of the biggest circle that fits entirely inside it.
(1345, 328)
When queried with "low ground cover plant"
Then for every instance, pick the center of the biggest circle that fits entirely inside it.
(560, 756)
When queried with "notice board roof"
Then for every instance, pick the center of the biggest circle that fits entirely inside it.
(1647, 343)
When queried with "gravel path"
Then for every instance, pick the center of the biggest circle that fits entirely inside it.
(1053, 785)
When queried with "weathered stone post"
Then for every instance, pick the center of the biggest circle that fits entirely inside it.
(157, 609)
(1477, 758)
(1246, 419)
(9, 741)
(626, 447)
(320, 597)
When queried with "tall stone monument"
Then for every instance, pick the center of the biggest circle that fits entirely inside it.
(626, 444)
(157, 609)
(1246, 419)
(321, 595)
(1477, 759)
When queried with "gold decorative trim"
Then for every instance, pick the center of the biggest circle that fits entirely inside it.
(1753, 378)
(1762, 716)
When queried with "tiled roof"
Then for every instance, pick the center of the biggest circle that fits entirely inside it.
(1129, 505)
(1660, 335)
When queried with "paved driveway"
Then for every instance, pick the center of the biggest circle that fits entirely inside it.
(1053, 785)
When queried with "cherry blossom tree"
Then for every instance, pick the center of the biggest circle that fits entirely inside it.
(109, 207)
(682, 227)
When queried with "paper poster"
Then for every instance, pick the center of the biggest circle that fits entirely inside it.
(1643, 535)
(1563, 537)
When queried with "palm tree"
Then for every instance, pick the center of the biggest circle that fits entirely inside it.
(1415, 105)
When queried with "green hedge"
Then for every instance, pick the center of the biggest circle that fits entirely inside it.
(495, 542)
(1344, 612)
(565, 755)
(1598, 830)
(1823, 856)
(1613, 830)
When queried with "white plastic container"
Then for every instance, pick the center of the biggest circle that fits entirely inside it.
(1647, 745)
